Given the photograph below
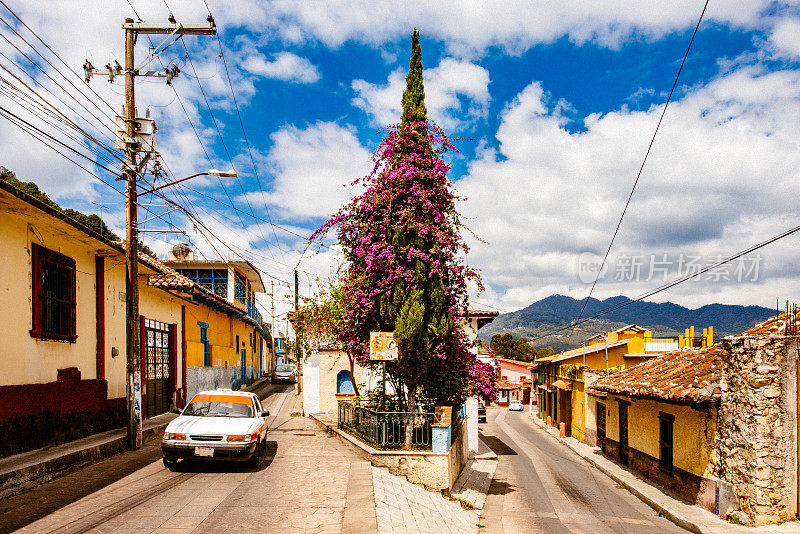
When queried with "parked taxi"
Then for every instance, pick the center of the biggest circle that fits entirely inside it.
(217, 425)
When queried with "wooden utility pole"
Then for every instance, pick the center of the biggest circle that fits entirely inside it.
(297, 347)
(272, 325)
(132, 330)
(131, 141)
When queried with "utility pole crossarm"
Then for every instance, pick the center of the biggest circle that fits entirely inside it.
(145, 28)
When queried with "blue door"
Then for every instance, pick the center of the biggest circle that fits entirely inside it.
(244, 366)
(343, 383)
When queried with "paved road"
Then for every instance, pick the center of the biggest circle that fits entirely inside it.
(541, 486)
(303, 484)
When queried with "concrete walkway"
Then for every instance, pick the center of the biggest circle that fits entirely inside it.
(687, 516)
(402, 507)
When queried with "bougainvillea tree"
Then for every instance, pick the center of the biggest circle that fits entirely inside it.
(405, 273)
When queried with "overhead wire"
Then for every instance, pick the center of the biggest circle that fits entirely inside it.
(57, 56)
(677, 281)
(644, 160)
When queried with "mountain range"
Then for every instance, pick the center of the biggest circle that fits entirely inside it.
(664, 319)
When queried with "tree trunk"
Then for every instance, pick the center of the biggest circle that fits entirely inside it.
(412, 407)
(352, 376)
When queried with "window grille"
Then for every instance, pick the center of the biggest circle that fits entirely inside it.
(53, 295)
(215, 280)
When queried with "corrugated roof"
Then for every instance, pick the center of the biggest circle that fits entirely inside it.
(682, 376)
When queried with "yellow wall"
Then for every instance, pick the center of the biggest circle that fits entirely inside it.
(693, 431)
(26, 360)
(222, 332)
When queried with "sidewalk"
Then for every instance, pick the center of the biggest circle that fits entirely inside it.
(687, 516)
(28, 469)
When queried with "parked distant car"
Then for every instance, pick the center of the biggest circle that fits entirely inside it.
(284, 372)
(217, 425)
(515, 405)
(481, 413)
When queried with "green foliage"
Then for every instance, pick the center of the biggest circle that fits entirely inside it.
(513, 349)
(92, 222)
(414, 109)
(27, 187)
(571, 370)
(545, 352)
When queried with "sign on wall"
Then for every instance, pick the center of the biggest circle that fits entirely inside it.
(382, 346)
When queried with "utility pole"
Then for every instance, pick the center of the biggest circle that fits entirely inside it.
(132, 330)
(272, 325)
(130, 170)
(297, 345)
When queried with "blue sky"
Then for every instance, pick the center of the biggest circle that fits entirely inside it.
(552, 107)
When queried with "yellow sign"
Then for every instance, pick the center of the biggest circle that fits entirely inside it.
(382, 346)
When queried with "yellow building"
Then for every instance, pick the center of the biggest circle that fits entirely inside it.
(224, 339)
(660, 419)
(63, 357)
(562, 377)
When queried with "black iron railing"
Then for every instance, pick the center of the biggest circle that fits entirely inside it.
(386, 430)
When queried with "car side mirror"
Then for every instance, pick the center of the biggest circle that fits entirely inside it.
(265, 413)
(177, 411)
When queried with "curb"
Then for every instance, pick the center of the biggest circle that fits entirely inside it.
(674, 517)
(30, 475)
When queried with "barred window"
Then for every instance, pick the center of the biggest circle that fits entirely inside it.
(215, 280)
(53, 299)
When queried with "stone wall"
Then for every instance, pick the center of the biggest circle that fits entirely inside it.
(757, 429)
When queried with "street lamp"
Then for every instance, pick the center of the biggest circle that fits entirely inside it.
(133, 341)
(211, 172)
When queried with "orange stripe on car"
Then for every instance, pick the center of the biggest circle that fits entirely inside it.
(235, 399)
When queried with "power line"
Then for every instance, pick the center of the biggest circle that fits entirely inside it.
(641, 167)
(244, 133)
(56, 70)
(676, 281)
(57, 56)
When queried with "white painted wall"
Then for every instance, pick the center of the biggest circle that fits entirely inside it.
(472, 424)
(311, 384)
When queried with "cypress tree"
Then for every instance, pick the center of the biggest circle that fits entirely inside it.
(414, 94)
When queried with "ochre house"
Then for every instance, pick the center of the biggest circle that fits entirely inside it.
(560, 379)
(63, 364)
(716, 425)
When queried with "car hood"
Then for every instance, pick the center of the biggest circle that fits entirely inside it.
(191, 424)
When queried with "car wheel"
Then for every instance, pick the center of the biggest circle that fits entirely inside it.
(256, 457)
(170, 464)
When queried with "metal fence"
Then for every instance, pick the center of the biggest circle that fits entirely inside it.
(386, 430)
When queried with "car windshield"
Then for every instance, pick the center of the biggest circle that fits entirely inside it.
(210, 406)
(284, 369)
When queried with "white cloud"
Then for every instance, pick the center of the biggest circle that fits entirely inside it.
(313, 169)
(785, 37)
(470, 27)
(456, 94)
(722, 175)
(286, 66)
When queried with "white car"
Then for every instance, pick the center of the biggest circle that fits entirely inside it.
(515, 405)
(217, 425)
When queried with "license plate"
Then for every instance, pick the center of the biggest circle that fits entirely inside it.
(203, 451)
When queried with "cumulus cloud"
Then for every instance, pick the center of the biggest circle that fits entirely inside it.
(456, 94)
(473, 26)
(313, 168)
(723, 170)
(286, 66)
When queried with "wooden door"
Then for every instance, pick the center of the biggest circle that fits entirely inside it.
(600, 420)
(623, 433)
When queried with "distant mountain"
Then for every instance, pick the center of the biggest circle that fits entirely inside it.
(663, 319)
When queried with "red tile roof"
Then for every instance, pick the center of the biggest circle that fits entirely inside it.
(776, 325)
(681, 376)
